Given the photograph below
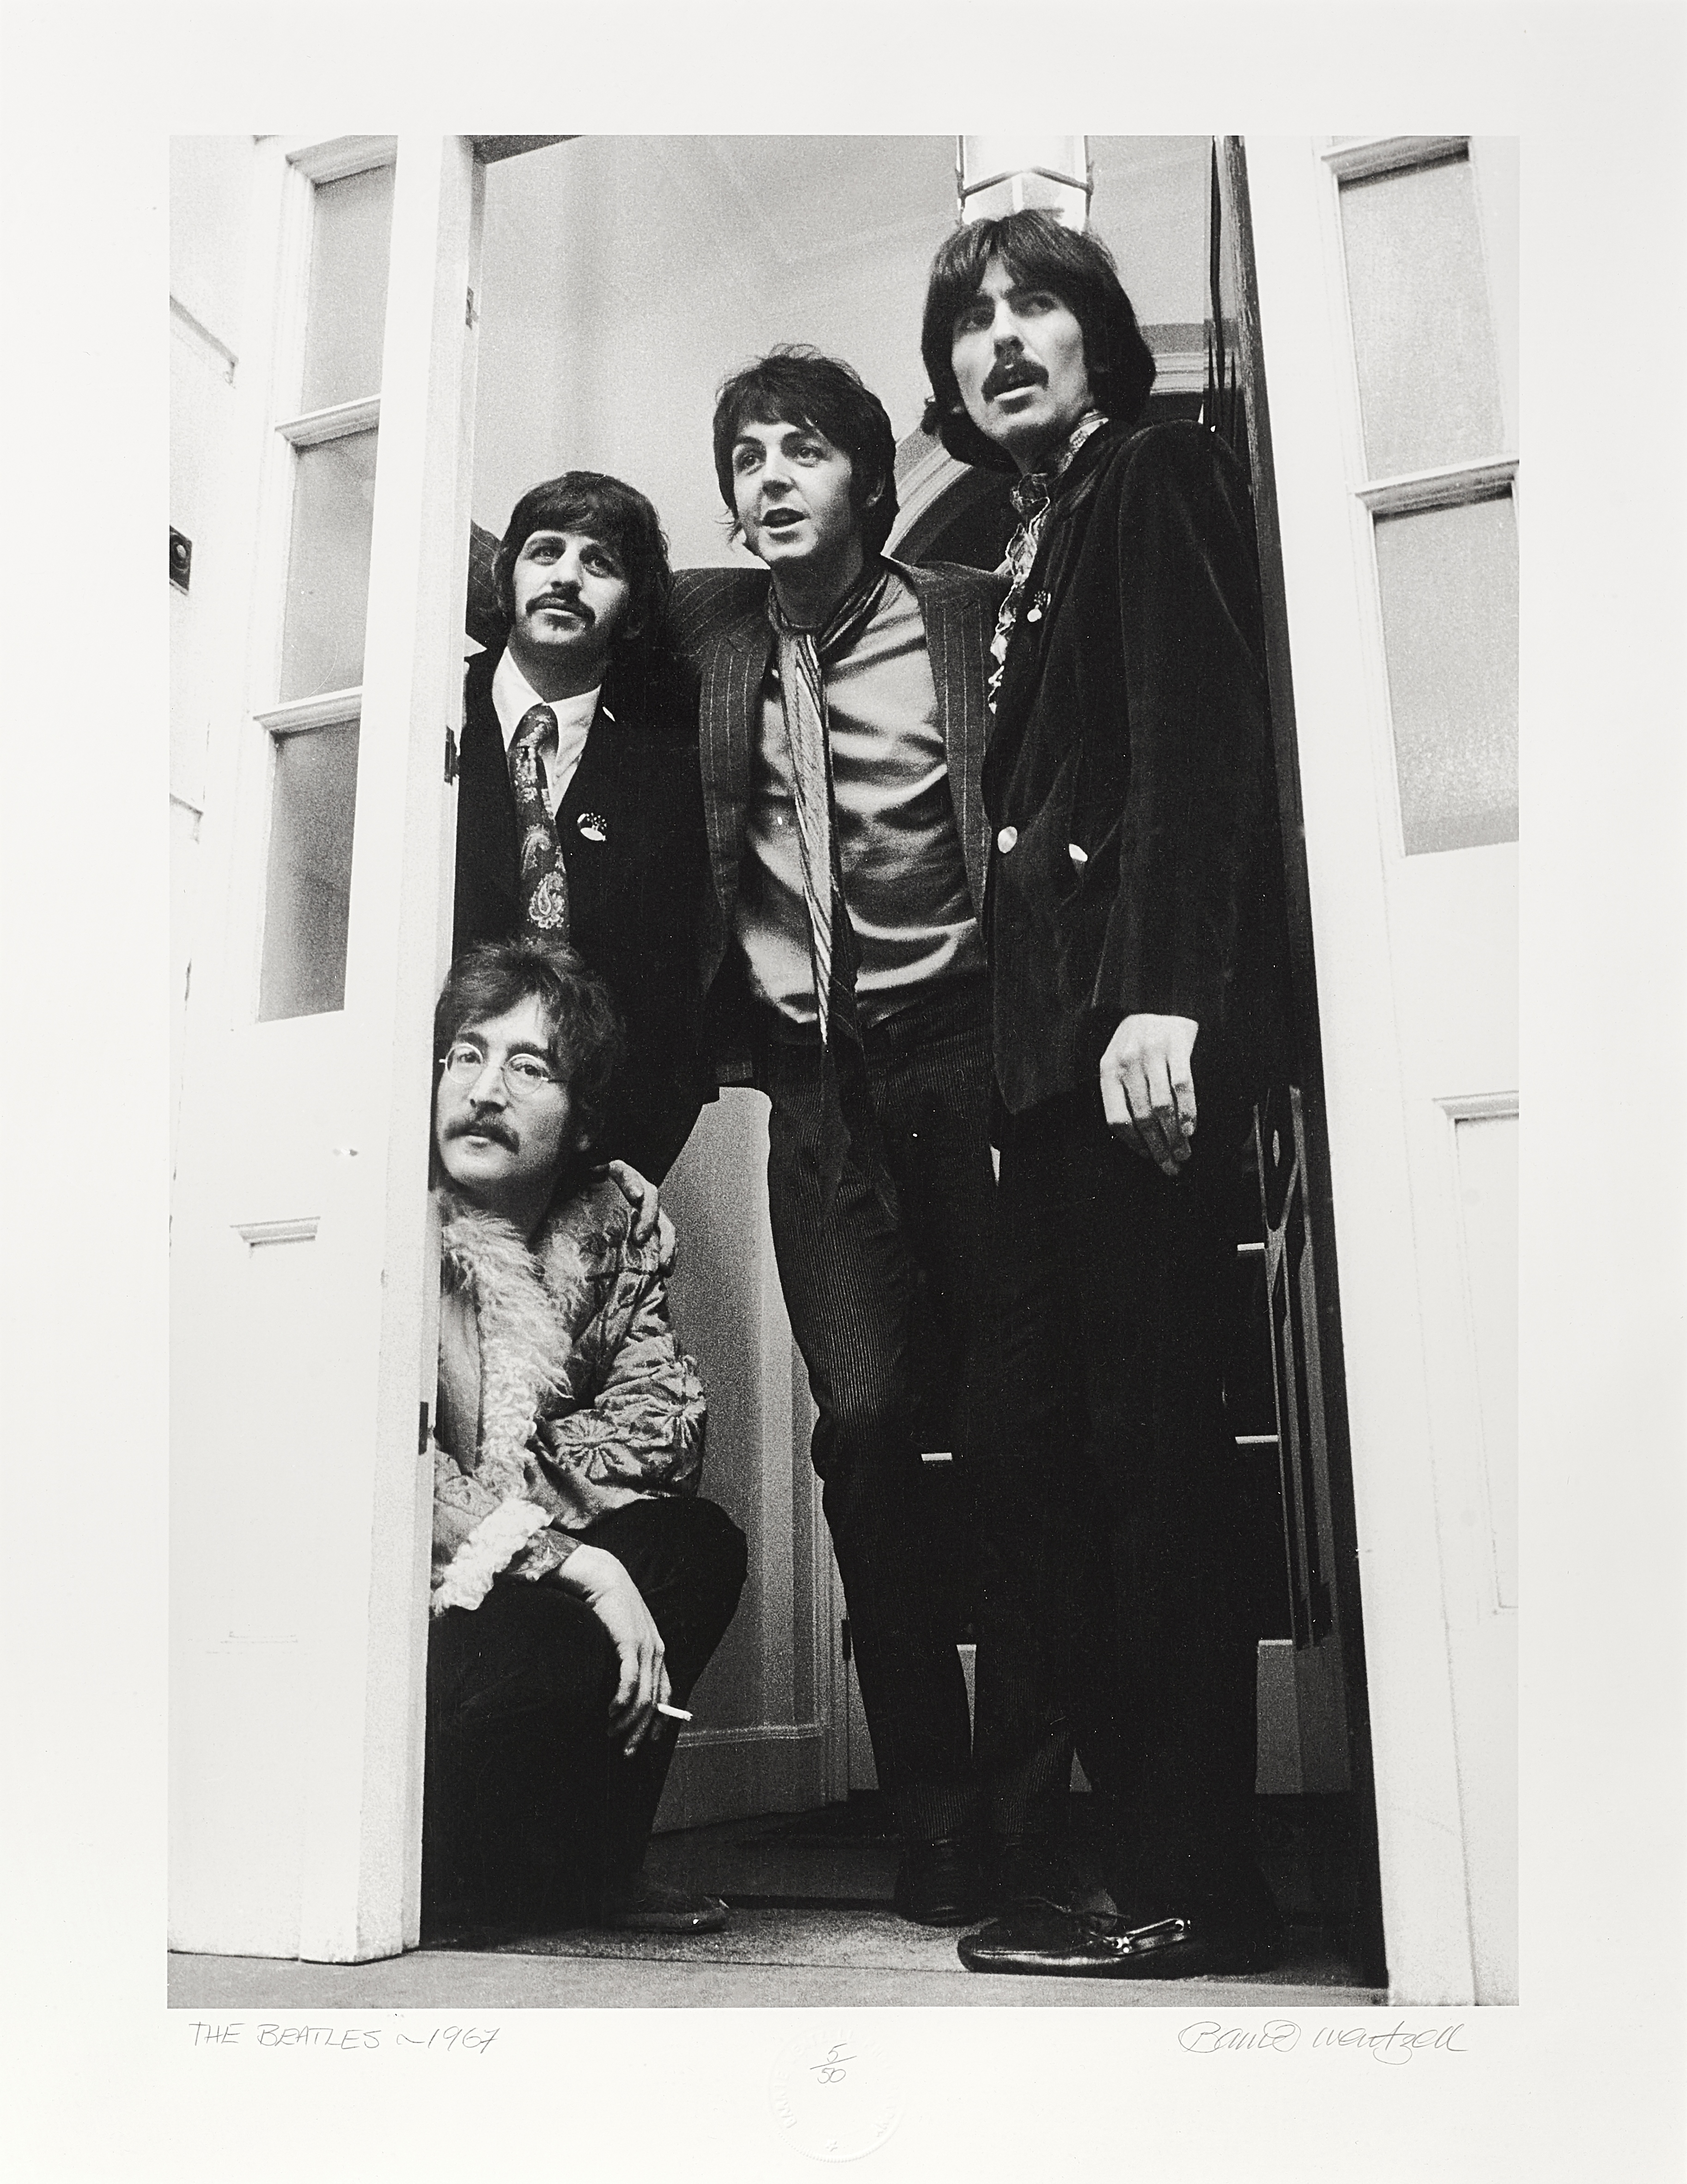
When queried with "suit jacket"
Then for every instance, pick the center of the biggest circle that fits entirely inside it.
(636, 875)
(1136, 863)
(720, 618)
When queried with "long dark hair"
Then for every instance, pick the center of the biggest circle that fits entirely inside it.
(1037, 253)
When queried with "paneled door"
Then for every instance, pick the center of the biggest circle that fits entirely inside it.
(305, 1283)
(1387, 272)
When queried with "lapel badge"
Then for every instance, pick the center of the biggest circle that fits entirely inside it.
(593, 825)
(1039, 601)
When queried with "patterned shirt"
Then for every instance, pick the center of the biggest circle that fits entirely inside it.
(1032, 495)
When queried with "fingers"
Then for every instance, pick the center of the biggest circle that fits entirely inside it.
(640, 1194)
(1114, 1104)
(1147, 1089)
(643, 1680)
(1169, 1124)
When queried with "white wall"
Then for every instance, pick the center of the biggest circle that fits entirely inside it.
(625, 276)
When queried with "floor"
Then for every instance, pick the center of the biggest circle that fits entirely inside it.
(812, 1925)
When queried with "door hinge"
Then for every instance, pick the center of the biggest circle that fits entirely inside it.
(422, 1432)
(470, 315)
(450, 755)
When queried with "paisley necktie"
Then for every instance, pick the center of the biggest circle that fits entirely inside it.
(544, 878)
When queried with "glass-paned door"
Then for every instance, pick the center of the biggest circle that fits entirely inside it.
(304, 1282)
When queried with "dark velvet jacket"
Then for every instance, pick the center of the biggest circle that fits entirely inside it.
(631, 828)
(1129, 776)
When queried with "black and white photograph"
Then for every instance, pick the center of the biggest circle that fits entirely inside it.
(862, 1329)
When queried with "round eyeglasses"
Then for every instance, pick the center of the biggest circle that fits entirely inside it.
(525, 1075)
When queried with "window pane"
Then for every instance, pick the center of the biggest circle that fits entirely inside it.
(352, 219)
(327, 569)
(308, 893)
(1449, 579)
(1422, 331)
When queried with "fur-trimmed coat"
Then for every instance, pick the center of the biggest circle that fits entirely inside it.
(562, 1392)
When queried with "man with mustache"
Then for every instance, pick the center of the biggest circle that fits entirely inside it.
(841, 727)
(580, 1583)
(1135, 935)
(578, 814)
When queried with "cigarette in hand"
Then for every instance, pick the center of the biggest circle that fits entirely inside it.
(673, 1714)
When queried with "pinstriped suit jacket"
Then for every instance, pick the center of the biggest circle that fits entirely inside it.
(720, 620)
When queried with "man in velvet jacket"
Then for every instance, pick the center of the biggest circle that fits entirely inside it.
(1133, 928)
(582, 580)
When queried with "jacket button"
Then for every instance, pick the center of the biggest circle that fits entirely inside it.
(1006, 840)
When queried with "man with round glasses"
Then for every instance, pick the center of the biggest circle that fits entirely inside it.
(580, 1583)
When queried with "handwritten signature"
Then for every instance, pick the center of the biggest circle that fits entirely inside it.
(1396, 2043)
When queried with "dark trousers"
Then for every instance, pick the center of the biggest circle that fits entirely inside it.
(1113, 1522)
(885, 1303)
(530, 1813)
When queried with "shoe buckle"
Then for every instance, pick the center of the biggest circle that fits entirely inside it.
(1160, 1934)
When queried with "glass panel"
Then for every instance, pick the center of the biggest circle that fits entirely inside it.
(307, 896)
(346, 315)
(1422, 331)
(1449, 579)
(327, 569)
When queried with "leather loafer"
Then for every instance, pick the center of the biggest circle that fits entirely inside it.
(942, 1883)
(645, 1907)
(1090, 1945)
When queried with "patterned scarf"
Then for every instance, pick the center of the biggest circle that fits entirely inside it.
(1032, 496)
(803, 655)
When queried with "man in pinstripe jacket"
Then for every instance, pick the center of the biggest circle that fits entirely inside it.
(879, 1172)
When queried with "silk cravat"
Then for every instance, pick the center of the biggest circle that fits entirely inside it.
(833, 949)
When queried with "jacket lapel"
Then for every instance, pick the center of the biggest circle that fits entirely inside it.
(958, 623)
(733, 670)
(486, 817)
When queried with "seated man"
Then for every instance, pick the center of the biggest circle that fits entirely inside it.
(580, 1583)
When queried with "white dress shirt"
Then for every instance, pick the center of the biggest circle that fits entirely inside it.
(514, 697)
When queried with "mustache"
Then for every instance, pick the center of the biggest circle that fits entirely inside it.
(1012, 371)
(572, 600)
(485, 1126)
